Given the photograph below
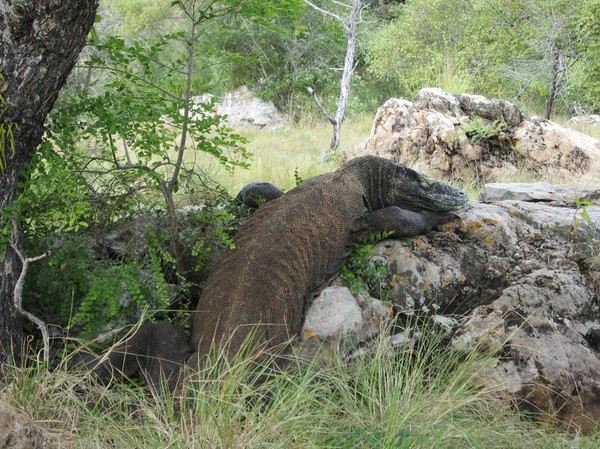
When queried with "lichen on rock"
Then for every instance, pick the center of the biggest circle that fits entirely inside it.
(518, 278)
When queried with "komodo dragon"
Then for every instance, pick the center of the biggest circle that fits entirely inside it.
(292, 246)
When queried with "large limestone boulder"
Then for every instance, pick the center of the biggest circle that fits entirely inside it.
(521, 278)
(517, 276)
(245, 110)
(476, 139)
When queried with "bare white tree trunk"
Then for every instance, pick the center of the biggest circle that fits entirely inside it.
(350, 24)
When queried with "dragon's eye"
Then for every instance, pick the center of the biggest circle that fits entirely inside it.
(424, 179)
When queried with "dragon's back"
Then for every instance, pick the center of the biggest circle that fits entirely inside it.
(287, 249)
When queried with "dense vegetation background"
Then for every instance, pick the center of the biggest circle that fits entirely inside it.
(126, 139)
(523, 52)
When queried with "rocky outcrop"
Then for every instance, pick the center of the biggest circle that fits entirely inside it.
(520, 278)
(245, 110)
(476, 139)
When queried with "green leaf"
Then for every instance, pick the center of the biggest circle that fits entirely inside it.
(585, 215)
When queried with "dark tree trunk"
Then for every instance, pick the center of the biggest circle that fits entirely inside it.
(39, 44)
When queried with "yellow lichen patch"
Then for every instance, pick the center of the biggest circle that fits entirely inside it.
(461, 277)
(473, 225)
(309, 334)
(419, 243)
(398, 279)
(490, 221)
(426, 288)
(490, 240)
(449, 224)
(445, 281)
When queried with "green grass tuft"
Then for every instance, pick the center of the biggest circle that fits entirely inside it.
(278, 154)
(421, 396)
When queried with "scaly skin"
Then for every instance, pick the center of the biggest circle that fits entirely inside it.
(288, 250)
(293, 246)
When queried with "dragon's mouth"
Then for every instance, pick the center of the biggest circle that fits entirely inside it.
(440, 197)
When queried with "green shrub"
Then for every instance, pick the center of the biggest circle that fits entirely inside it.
(366, 275)
(75, 290)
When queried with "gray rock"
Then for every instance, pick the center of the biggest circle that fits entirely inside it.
(436, 99)
(480, 106)
(337, 313)
(375, 314)
(245, 110)
(332, 314)
(476, 139)
(591, 120)
(520, 280)
(540, 191)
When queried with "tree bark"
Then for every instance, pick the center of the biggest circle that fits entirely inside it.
(40, 41)
(350, 25)
(346, 74)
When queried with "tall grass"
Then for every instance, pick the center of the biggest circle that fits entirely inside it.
(280, 153)
(422, 396)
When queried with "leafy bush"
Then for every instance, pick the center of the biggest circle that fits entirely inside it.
(479, 130)
(75, 290)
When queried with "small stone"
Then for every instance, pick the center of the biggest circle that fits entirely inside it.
(333, 314)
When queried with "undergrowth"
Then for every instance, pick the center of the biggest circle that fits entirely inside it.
(421, 395)
(364, 274)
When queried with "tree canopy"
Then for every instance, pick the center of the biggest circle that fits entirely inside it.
(533, 52)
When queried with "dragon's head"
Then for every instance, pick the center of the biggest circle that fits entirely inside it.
(412, 190)
(392, 184)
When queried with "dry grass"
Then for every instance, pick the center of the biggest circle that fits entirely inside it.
(278, 154)
(418, 398)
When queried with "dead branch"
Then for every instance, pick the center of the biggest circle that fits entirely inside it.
(18, 297)
(313, 93)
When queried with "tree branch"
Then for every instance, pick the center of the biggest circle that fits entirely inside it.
(18, 297)
(345, 5)
(325, 12)
(136, 77)
(313, 93)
